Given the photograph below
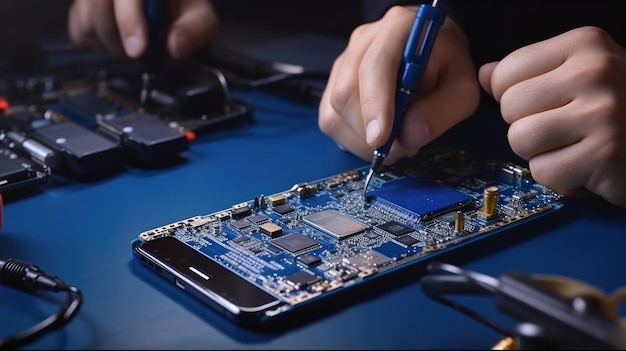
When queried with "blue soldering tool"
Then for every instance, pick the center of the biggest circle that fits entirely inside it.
(419, 44)
(157, 18)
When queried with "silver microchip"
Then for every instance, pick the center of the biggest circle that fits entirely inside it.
(335, 223)
(371, 258)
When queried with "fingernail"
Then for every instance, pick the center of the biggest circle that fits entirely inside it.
(371, 131)
(133, 44)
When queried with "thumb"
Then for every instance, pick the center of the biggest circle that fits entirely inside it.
(484, 75)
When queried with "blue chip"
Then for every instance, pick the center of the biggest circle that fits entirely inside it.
(421, 197)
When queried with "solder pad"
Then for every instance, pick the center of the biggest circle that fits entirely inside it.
(414, 211)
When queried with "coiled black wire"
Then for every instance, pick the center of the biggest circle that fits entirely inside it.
(30, 278)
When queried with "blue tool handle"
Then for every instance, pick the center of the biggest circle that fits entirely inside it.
(417, 51)
(157, 18)
(419, 46)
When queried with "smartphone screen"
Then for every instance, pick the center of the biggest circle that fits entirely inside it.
(203, 278)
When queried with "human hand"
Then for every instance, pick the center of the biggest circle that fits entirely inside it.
(356, 109)
(565, 101)
(120, 27)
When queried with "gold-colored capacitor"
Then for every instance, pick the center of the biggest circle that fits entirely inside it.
(490, 199)
(459, 222)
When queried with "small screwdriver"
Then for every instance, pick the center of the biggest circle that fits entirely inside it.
(157, 18)
(419, 44)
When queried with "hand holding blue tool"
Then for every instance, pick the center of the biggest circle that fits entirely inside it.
(428, 20)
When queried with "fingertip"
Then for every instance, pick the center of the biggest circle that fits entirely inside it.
(135, 44)
(485, 72)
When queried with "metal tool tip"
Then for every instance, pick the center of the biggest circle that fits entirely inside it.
(145, 87)
(367, 183)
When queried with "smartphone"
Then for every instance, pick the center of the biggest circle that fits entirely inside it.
(271, 256)
(207, 280)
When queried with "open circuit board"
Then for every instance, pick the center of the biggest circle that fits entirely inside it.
(319, 237)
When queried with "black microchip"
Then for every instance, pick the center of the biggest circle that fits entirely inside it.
(407, 240)
(239, 239)
(309, 260)
(273, 249)
(282, 209)
(258, 218)
(240, 224)
(302, 279)
(394, 228)
(295, 243)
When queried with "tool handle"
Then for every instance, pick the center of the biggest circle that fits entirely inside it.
(428, 20)
(157, 18)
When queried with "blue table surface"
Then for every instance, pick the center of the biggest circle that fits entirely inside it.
(82, 232)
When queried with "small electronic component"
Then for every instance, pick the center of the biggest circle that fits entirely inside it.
(240, 212)
(240, 224)
(302, 279)
(296, 243)
(309, 260)
(282, 209)
(277, 199)
(490, 200)
(406, 240)
(270, 229)
(258, 218)
(394, 228)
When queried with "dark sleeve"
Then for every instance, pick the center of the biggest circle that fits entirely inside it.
(495, 28)
(322, 16)
(26, 18)
(375, 9)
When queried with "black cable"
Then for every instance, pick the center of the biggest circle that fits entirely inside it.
(556, 322)
(30, 278)
(459, 281)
